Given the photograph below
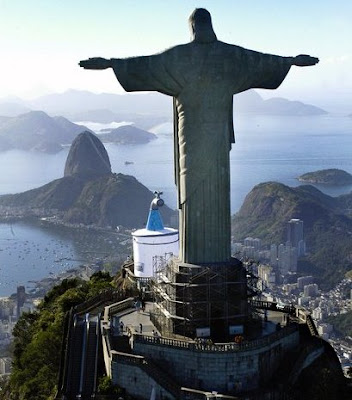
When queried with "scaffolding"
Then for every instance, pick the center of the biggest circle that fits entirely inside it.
(253, 280)
(199, 300)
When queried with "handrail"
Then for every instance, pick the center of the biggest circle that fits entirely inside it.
(78, 331)
(305, 317)
(311, 326)
(71, 328)
(274, 306)
(128, 357)
(216, 347)
(84, 351)
(108, 295)
(120, 306)
(97, 332)
(107, 341)
(117, 307)
(201, 394)
(105, 295)
(65, 346)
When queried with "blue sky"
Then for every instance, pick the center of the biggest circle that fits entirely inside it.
(42, 41)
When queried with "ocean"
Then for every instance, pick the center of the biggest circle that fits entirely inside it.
(267, 148)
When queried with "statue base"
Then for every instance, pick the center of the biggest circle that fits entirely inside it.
(204, 301)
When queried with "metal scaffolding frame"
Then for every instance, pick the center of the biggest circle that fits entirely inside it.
(191, 297)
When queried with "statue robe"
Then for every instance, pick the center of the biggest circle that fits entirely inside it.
(202, 78)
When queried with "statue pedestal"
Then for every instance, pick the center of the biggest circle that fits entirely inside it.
(207, 300)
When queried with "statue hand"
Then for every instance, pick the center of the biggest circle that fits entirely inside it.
(95, 63)
(303, 60)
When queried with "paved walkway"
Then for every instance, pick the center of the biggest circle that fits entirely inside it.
(133, 319)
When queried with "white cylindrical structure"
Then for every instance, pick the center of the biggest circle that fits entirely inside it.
(149, 243)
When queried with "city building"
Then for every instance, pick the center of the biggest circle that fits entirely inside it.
(7, 308)
(295, 235)
(310, 290)
(303, 301)
(267, 275)
(319, 313)
(253, 242)
(21, 298)
(325, 330)
(287, 259)
(304, 280)
(5, 365)
(273, 255)
(290, 288)
(250, 249)
(236, 248)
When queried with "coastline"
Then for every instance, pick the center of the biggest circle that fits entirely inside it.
(39, 251)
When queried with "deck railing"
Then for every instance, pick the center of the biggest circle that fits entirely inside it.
(216, 347)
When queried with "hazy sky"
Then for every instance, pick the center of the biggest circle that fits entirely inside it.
(42, 41)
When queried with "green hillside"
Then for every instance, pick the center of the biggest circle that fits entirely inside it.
(331, 176)
(38, 337)
(327, 226)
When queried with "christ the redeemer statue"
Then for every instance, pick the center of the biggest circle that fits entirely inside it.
(202, 77)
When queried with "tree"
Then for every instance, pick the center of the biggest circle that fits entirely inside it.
(38, 338)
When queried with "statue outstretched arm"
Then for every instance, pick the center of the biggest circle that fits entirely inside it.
(95, 63)
(304, 60)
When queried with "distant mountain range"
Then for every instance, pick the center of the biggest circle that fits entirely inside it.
(43, 131)
(106, 107)
(251, 102)
(12, 109)
(89, 193)
(327, 225)
(36, 130)
(127, 134)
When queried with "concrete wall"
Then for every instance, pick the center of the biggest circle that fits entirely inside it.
(137, 382)
(220, 371)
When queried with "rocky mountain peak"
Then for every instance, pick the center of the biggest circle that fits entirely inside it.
(87, 157)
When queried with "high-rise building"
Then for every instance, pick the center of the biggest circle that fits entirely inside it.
(287, 259)
(310, 290)
(5, 365)
(253, 242)
(303, 281)
(325, 328)
(273, 255)
(236, 248)
(267, 275)
(295, 235)
(21, 298)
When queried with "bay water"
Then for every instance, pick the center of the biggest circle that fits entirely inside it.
(266, 149)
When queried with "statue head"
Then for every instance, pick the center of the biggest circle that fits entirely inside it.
(201, 26)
